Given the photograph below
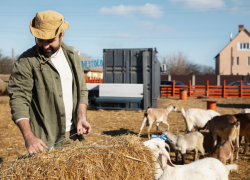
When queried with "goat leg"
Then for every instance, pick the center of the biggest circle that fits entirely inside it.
(157, 128)
(183, 158)
(246, 143)
(231, 158)
(149, 128)
(215, 139)
(176, 156)
(195, 154)
(240, 138)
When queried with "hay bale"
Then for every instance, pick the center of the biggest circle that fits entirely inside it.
(126, 159)
(3, 87)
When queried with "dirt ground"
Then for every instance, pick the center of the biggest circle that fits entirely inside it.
(113, 123)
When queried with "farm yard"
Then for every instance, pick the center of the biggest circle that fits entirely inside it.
(114, 123)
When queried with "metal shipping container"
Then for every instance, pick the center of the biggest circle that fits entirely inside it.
(134, 66)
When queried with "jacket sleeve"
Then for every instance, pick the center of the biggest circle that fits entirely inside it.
(20, 88)
(83, 89)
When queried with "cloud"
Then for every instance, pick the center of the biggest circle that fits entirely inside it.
(109, 44)
(156, 28)
(126, 36)
(240, 7)
(150, 10)
(237, 2)
(201, 5)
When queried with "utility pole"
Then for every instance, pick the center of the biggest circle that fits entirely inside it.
(232, 61)
(13, 59)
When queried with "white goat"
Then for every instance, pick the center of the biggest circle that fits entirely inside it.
(197, 118)
(205, 169)
(247, 110)
(157, 145)
(186, 142)
(156, 115)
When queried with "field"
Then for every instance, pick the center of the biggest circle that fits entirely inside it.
(113, 123)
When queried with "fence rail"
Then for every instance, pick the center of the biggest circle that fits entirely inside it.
(206, 90)
(93, 80)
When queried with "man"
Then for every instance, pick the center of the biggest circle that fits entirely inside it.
(48, 94)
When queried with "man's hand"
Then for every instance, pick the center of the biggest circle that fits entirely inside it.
(83, 127)
(34, 145)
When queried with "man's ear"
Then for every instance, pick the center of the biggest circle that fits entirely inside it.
(63, 35)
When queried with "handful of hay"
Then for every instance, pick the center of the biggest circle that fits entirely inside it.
(122, 157)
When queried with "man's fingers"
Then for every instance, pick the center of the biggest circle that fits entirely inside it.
(88, 130)
(40, 147)
(79, 131)
(82, 131)
(44, 145)
(36, 148)
(32, 151)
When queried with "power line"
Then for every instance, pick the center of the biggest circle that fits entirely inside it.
(133, 37)
(134, 12)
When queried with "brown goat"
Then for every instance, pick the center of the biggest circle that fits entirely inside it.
(244, 128)
(227, 127)
(223, 152)
(156, 115)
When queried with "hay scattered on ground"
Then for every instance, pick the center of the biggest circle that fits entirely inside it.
(121, 157)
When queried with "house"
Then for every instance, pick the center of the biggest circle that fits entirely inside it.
(234, 59)
(92, 68)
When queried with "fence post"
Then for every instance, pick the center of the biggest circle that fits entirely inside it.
(224, 89)
(241, 88)
(207, 89)
(173, 90)
(190, 85)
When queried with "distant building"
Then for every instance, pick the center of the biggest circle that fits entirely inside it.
(92, 68)
(234, 59)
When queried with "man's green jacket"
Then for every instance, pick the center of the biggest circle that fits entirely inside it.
(37, 94)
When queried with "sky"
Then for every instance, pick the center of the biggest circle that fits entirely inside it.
(199, 29)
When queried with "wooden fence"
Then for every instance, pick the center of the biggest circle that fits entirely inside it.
(93, 80)
(206, 90)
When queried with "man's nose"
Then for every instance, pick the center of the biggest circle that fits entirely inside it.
(45, 44)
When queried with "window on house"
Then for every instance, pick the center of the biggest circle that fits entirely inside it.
(244, 46)
(237, 61)
(248, 61)
(232, 61)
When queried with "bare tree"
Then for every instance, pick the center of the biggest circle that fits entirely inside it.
(178, 64)
(6, 63)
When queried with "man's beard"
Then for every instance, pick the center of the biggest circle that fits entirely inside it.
(48, 54)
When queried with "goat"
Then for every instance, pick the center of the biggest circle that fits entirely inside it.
(197, 118)
(156, 115)
(157, 145)
(223, 152)
(247, 110)
(244, 128)
(206, 169)
(227, 127)
(182, 143)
